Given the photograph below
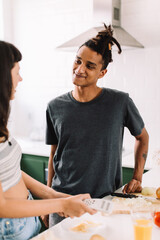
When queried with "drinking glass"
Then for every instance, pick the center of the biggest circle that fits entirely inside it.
(142, 224)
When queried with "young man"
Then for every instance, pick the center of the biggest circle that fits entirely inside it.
(85, 128)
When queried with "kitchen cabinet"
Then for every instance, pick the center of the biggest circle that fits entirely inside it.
(127, 174)
(36, 154)
(35, 166)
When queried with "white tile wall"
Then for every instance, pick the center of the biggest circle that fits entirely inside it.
(137, 73)
(1, 20)
(40, 25)
(141, 18)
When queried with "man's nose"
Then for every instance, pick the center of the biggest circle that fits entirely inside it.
(81, 68)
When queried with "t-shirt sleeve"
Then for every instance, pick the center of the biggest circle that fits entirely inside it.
(133, 119)
(51, 138)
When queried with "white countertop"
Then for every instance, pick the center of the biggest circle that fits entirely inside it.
(39, 148)
(112, 227)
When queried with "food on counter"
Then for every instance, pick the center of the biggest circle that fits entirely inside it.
(158, 192)
(157, 218)
(148, 191)
(97, 237)
(84, 226)
(126, 205)
(130, 202)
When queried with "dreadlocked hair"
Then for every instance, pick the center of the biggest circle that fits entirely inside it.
(103, 43)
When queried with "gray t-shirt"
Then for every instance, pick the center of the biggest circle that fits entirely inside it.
(89, 136)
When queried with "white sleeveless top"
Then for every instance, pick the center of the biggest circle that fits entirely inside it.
(10, 157)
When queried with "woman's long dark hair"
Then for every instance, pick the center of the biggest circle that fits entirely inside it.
(102, 44)
(9, 55)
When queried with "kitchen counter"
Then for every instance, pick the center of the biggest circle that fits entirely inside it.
(39, 148)
(112, 227)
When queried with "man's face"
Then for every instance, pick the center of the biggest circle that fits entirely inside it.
(87, 67)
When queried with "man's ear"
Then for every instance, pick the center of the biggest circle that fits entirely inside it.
(102, 73)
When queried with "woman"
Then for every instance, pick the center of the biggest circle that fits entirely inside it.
(17, 213)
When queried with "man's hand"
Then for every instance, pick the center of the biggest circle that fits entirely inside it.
(45, 219)
(133, 186)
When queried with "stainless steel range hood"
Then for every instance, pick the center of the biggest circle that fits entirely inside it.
(109, 12)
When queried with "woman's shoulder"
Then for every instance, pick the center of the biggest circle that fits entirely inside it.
(9, 144)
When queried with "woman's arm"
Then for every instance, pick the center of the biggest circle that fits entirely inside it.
(18, 208)
(40, 190)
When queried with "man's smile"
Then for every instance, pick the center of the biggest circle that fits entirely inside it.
(79, 75)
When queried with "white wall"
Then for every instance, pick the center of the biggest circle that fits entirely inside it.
(38, 26)
(1, 20)
(137, 72)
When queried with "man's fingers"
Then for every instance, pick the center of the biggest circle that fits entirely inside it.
(139, 189)
(124, 189)
(45, 220)
(132, 186)
(128, 188)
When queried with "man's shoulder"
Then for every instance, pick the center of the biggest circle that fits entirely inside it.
(115, 93)
(59, 99)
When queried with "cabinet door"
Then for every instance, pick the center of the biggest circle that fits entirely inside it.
(127, 174)
(34, 166)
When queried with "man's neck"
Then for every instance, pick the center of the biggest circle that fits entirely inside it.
(86, 94)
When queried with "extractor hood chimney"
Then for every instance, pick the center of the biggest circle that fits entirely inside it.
(109, 12)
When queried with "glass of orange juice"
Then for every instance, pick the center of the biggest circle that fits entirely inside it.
(142, 224)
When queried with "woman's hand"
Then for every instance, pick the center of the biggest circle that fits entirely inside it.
(75, 207)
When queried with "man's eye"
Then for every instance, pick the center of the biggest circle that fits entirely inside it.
(77, 61)
(90, 67)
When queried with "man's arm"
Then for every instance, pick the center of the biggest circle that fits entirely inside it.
(50, 165)
(140, 151)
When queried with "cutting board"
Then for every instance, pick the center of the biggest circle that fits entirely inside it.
(126, 205)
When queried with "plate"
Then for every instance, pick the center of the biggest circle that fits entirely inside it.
(95, 225)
